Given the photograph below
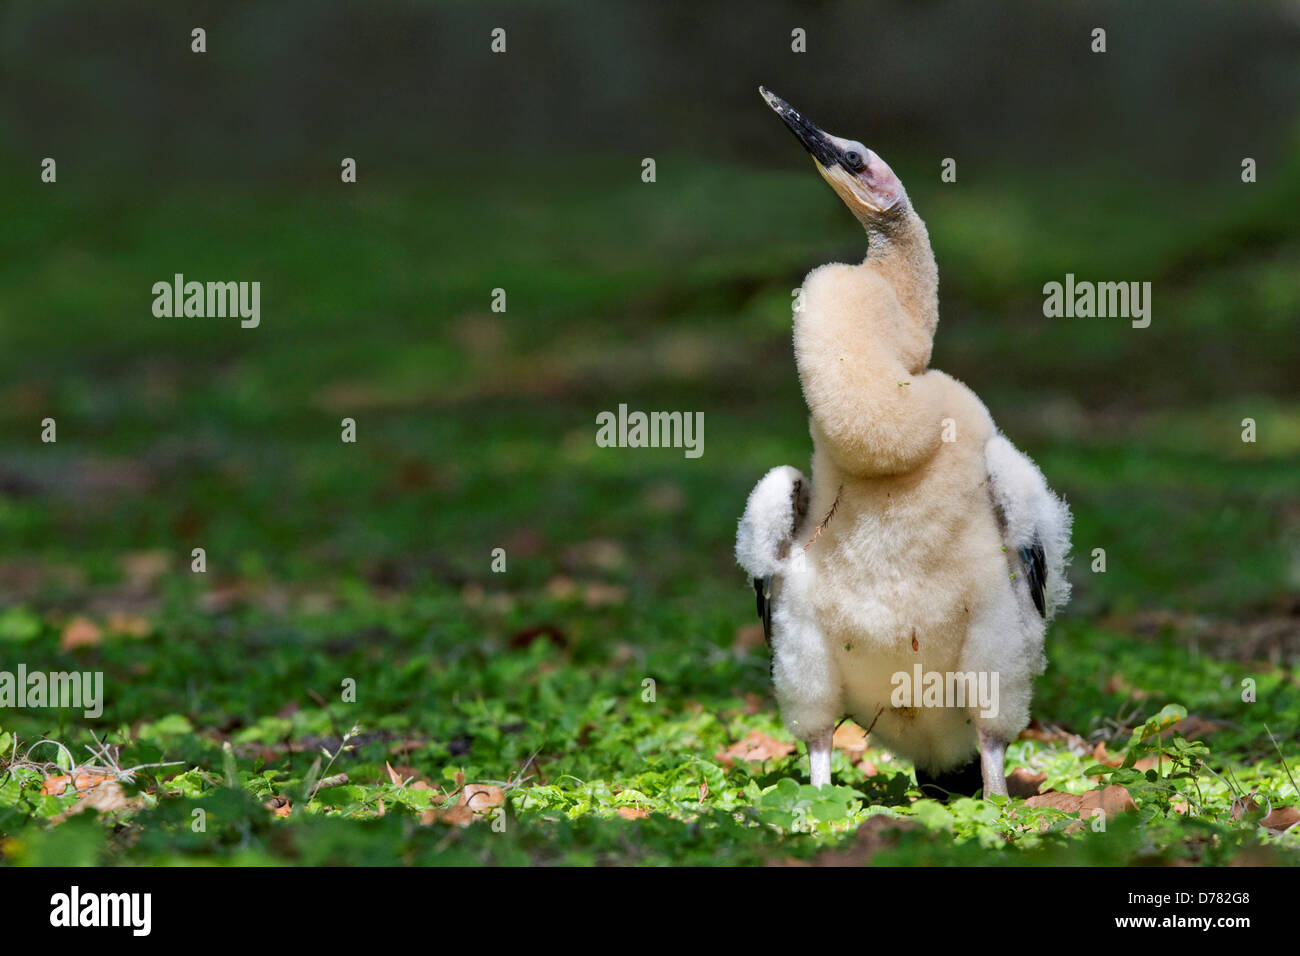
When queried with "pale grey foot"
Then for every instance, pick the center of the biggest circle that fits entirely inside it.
(819, 757)
(993, 754)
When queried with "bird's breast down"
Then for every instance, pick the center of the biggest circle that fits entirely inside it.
(904, 569)
(896, 577)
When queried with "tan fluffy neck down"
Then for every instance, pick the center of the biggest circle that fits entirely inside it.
(862, 343)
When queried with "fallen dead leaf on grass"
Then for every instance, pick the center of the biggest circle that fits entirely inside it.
(1101, 756)
(80, 632)
(481, 797)
(1112, 800)
(53, 786)
(458, 815)
(409, 777)
(851, 739)
(1024, 783)
(1283, 818)
(758, 747)
(95, 791)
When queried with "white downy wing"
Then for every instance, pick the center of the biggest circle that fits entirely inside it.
(774, 513)
(1035, 523)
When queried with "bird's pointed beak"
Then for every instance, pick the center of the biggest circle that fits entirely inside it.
(813, 139)
(859, 177)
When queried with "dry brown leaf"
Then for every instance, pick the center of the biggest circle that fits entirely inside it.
(458, 815)
(1242, 807)
(1112, 800)
(1024, 783)
(758, 747)
(85, 779)
(53, 786)
(1282, 818)
(105, 796)
(1065, 802)
(851, 739)
(80, 632)
(100, 792)
(633, 813)
(414, 780)
(481, 797)
(1099, 755)
(1035, 731)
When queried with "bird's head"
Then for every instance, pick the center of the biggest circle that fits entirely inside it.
(859, 177)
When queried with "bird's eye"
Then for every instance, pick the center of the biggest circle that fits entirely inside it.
(853, 159)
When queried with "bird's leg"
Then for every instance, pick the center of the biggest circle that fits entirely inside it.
(819, 757)
(993, 754)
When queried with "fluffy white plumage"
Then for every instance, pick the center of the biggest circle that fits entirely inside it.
(1031, 512)
(773, 512)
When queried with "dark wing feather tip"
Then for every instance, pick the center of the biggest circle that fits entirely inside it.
(763, 595)
(1035, 562)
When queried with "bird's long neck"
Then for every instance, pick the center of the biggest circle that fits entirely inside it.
(898, 247)
(862, 344)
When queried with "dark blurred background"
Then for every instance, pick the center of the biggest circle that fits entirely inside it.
(413, 85)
